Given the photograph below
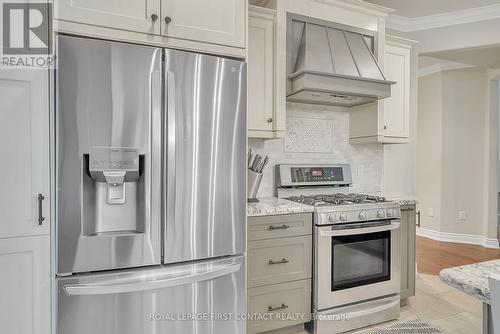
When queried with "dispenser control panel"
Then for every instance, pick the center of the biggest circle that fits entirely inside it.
(114, 158)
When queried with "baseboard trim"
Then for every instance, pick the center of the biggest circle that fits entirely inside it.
(459, 238)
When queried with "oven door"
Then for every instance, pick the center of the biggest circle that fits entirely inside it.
(356, 262)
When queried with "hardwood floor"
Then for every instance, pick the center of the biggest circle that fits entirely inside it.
(433, 256)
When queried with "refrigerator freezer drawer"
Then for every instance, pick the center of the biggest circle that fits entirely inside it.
(152, 301)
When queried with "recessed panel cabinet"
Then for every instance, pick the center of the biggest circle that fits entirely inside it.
(25, 285)
(387, 121)
(25, 202)
(264, 120)
(133, 15)
(24, 132)
(217, 22)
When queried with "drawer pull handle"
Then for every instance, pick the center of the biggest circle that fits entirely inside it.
(281, 307)
(279, 262)
(281, 227)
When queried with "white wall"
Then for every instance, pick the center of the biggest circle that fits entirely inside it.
(319, 135)
(464, 112)
(429, 150)
(453, 152)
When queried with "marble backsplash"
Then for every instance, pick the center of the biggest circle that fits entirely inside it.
(320, 135)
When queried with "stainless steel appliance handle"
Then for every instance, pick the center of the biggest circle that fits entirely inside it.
(141, 285)
(353, 231)
(369, 311)
(169, 161)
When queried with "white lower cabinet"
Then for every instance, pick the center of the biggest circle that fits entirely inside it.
(25, 285)
(279, 271)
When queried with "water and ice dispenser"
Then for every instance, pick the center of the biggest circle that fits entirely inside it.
(114, 191)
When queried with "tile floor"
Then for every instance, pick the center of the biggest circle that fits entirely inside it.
(442, 306)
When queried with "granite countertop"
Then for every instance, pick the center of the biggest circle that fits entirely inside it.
(473, 278)
(275, 206)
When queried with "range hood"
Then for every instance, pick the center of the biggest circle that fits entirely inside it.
(332, 64)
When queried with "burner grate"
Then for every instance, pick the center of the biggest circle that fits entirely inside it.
(337, 199)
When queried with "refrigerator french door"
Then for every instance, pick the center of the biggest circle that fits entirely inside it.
(151, 201)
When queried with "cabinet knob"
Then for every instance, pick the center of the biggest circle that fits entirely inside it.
(270, 120)
(168, 19)
(154, 17)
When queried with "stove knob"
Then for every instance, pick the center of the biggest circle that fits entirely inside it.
(390, 213)
(333, 217)
(343, 216)
(363, 215)
(380, 213)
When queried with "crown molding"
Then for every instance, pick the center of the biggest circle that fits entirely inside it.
(441, 67)
(409, 24)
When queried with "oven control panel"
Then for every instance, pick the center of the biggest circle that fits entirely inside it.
(316, 174)
(309, 175)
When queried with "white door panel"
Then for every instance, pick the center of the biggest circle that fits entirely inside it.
(25, 285)
(24, 132)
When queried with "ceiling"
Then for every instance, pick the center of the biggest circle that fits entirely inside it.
(487, 57)
(415, 8)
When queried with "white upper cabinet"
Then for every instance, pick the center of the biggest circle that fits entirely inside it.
(211, 26)
(216, 21)
(260, 72)
(397, 107)
(133, 15)
(387, 121)
(24, 132)
(25, 285)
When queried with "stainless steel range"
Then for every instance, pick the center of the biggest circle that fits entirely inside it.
(357, 247)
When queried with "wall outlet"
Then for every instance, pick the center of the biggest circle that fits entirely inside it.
(462, 215)
(430, 212)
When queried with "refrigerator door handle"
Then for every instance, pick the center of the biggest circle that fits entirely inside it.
(141, 285)
(169, 161)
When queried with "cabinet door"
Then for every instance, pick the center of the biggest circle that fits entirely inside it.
(25, 285)
(260, 74)
(397, 107)
(216, 21)
(408, 235)
(24, 132)
(132, 15)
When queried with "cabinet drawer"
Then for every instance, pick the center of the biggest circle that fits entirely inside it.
(279, 260)
(269, 227)
(290, 300)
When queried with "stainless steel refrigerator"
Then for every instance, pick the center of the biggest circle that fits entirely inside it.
(151, 205)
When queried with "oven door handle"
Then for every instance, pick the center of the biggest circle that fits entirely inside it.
(353, 231)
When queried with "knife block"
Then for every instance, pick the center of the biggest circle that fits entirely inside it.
(253, 184)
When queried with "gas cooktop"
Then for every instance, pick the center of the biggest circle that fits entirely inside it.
(337, 199)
